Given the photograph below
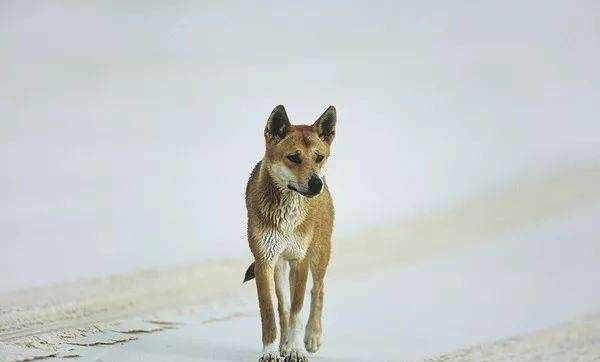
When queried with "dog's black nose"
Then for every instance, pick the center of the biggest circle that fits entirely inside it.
(314, 185)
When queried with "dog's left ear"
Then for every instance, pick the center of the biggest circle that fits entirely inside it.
(325, 125)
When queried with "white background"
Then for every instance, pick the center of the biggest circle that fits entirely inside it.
(127, 131)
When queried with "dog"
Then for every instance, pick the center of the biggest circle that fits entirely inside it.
(290, 221)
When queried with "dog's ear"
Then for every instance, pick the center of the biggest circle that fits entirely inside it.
(278, 124)
(325, 125)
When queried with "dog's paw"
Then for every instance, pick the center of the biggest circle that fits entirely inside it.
(293, 350)
(271, 357)
(270, 354)
(312, 338)
(294, 355)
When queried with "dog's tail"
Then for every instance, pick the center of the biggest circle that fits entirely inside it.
(249, 275)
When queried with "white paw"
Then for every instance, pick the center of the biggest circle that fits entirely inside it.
(271, 357)
(312, 340)
(294, 355)
(294, 351)
(270, 353)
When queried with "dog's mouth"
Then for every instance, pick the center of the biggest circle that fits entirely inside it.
(303, 192)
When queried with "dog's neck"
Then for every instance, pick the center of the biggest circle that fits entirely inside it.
(283, 207)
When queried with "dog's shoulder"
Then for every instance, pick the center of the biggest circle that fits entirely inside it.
(253, 181)
(254, 174)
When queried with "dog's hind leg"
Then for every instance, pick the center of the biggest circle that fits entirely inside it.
(283, 299)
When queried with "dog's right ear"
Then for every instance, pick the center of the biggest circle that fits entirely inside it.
(278, 124)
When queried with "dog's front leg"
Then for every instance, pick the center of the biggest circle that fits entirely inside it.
(265, 286)
(282, 289)
(294, 348)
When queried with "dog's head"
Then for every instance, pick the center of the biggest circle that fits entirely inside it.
(296, 154)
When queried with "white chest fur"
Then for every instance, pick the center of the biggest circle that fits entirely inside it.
(290, 212)
(284, 240)
(290, 246)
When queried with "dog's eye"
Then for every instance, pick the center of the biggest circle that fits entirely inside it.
(319, 158)
(294, 158)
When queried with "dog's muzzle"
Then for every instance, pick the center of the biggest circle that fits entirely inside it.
(313, 188)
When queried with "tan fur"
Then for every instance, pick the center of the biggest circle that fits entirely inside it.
(287, 230)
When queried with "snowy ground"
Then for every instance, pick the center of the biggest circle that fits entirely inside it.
(527, 280)
(524, 282)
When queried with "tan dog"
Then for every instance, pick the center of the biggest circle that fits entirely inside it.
(290, 220)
